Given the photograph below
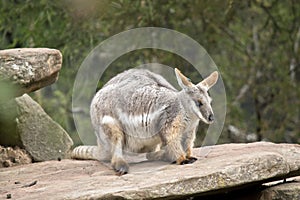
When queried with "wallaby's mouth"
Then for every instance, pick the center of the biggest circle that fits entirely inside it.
(208, 120)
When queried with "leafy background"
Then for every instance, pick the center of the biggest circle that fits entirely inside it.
(254, 43)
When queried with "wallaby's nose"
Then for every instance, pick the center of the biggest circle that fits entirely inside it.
(211, 117)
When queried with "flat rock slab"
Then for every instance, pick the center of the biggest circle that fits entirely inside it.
(226, 167)
(29, 68)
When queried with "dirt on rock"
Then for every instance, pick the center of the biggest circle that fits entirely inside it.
(13, 156)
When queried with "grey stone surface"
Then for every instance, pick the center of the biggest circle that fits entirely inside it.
(226, 168)
(29, 68)
(27, 125)
(288, 190)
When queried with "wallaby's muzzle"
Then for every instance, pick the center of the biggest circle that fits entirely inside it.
(211, 118)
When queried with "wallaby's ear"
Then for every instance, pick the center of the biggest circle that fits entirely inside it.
(209, 81)
(183, 81)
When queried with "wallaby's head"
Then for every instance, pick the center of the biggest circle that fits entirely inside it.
(197, 95)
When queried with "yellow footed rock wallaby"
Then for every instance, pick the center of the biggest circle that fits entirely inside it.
(139, 111)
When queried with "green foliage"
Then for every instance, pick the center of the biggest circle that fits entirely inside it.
(255, 44)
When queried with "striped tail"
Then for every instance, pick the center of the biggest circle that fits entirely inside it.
(86, 153)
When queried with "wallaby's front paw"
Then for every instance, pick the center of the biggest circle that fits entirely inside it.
(192, 159)
(121, 167)
(183, 160)
(187, 161)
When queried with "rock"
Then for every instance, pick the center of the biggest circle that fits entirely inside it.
(13, 156)
(226, 168)
(29, 68)
(24, 123)
(288, 190)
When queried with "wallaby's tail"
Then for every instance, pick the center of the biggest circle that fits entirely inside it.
(86, 153)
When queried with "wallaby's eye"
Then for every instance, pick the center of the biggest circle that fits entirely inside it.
(199, 103)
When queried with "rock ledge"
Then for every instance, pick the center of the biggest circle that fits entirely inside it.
(227, 167)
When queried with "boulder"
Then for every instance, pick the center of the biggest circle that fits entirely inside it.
(226, 168)
(29, 68)
(283, 190)
(25, 124)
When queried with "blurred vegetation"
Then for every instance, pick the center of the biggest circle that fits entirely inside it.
(254, 43)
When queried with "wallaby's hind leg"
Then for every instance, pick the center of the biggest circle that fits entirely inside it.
(116, 138)
(117, 161)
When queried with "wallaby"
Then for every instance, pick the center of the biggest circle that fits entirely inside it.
(139, 111)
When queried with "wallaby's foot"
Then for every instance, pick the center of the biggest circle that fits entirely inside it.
(121, 167)
(183, 160)
(192, 159)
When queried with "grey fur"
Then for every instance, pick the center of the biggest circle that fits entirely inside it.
(139, 111)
